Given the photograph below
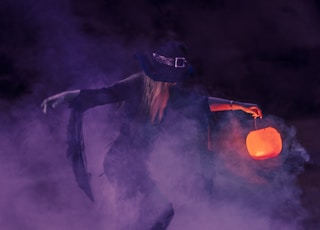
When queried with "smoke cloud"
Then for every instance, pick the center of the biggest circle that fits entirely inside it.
(38, 189)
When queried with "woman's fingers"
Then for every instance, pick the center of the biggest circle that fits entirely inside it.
(56, 102)
(44, 107)
(50, 102)
(256, 112)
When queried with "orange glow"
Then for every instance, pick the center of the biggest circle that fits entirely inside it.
(264, 143)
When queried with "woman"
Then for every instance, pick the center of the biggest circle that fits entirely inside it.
(158, 111)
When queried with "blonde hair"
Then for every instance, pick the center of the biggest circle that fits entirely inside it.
(156, 95)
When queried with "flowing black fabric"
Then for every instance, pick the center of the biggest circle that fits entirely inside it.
(76, 153)
(182, 129)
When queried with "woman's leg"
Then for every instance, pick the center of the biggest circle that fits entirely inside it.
(127, 172)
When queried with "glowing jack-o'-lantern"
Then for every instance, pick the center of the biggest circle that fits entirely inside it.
(264, 143)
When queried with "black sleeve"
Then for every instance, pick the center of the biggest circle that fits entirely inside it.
(117, 92)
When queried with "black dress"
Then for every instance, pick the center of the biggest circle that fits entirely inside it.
(183, 130)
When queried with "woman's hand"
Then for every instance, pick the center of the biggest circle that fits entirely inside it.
(57, 99)
(52, 102)
(253, 109)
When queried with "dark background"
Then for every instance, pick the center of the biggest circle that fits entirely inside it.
(266, 52)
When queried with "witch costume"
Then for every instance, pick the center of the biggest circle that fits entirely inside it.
(182, 130)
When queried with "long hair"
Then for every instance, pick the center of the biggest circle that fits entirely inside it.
(156, 95)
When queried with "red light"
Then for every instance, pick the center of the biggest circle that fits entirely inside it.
(264, 143)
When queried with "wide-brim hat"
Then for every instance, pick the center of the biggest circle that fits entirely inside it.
(169, 63)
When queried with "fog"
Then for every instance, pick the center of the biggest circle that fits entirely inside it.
(38, 190)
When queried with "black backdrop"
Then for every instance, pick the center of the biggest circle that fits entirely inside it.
(266, 52)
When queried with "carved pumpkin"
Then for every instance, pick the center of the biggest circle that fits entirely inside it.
(264, 143)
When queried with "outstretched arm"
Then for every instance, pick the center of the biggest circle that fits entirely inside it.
(220, 104)
(88, 98)
(57, 99)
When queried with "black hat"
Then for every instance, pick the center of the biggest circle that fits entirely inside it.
(168, 64)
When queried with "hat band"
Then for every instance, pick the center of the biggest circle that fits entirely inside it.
(177, 62)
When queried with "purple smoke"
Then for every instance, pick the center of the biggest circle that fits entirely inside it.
(38, 188)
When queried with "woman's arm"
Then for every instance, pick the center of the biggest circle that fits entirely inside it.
(89, 98)
(220, 104)
(57, 99)
(82, 100)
